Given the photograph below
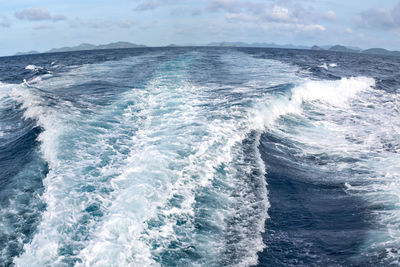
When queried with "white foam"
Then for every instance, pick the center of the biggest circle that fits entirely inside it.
(217, 148)
(173, 121)
(335, 93)
(352, 120)
(35, 108)
(155, 162)
(5, 89)
(68, 155)
(186, 134)
(33, 67)
(71, 143)
(323, 66)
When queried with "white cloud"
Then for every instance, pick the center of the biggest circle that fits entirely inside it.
(330, 15)
(310, 28)
(380, 18)
(240, 17)
(4, 22)
(125, 23)
(226, 5)
(40, 13)
(37, 14)
(58, 17)
(102, 24)
(349, 30)
(268, 17)
(279, 14)
(148, 5)
(43, 27)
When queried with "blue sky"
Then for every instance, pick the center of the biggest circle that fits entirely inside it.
(42, 25)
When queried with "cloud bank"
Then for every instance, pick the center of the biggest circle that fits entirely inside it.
(380, 18)
(37, 14)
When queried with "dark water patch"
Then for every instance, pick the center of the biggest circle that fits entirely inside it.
(22, 170)
(20, 204)
(15, 154)
(21, 209)
(313, 221)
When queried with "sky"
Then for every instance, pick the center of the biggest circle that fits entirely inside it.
(41, 25)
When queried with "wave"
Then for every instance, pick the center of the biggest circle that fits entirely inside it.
(168, 173)
(336, 134)
(4, 92)
(21, 173)
(323, 66)
(142, 178)
(76, 160)
(33, 67)
(177, 157)
(336, 93)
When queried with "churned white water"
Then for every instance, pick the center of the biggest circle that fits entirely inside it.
(168, 172)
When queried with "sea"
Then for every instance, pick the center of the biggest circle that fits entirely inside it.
(200, 156)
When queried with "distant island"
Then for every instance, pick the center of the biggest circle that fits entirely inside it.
(371, 51)
(85, 46)
(266, 45)
(341, 48)
(334, 48)
(118, 45)
(27, 53)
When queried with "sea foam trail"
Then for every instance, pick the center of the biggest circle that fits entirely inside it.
(352, 132)
(127, 202)
(377, 150)
(168, 174)
(84, 152)
(217, 166)
(337, 93)
(181, 153)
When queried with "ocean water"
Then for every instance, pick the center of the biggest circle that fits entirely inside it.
(199, 157)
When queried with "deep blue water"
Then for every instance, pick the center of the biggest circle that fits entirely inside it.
(199, 157)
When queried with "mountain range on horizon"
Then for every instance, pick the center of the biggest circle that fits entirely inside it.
(334, 48)
(121, 45)
(85, 46)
